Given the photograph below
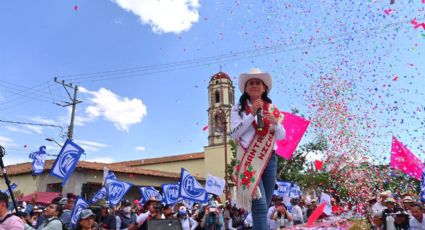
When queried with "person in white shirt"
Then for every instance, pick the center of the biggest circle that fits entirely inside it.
(282, 217)
(297, 212)
(417, 221)
(256, 124)
(380, 206)
(248, 221)
(187, 222)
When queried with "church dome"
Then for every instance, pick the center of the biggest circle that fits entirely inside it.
(220, 75)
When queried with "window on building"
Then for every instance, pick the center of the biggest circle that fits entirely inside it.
(217, 97)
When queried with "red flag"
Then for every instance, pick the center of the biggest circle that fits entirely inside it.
(315, 215)
(295, 128)
(318, 165)
(403, 159)
(205, 128)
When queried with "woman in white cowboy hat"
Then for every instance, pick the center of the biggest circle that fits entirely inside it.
(255, 171)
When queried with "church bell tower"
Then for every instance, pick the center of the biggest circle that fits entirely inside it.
(221, 96)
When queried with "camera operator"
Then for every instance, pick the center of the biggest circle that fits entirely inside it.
(125, 219)
(186, 221)
(154, 212)
(212, 219)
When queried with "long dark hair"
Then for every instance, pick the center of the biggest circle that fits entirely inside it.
(245, 97)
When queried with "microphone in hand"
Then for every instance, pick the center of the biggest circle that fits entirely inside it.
(260, 124)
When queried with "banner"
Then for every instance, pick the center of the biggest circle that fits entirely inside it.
(66, 161)
(295, 128)
(404, 160)
(116, 190)
(215, 185)
(148, 192)
(101, 194)
(325, 198)
(190, 188)
(79, 205)
(283, 188)
(39, 159)
(170, 193)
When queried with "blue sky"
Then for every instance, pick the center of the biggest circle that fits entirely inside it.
(144, 67)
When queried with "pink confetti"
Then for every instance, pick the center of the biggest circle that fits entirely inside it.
(75, 7)
(388, 11)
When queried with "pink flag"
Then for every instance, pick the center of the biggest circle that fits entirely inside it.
(205, 128)
(404, 160)
(295, 127)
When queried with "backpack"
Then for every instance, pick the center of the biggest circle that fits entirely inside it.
(64, 227)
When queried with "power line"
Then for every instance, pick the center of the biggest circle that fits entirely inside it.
(192, 63)
(30, 123)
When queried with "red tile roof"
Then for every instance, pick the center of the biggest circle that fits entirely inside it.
(220, 75)
(160, 160)
(26, 168)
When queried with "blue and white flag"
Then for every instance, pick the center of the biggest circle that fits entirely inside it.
(148, 192)
(79, 205)
(13, 187)
(101, 194)
(170, 193)
(66, 161)
(190, 188)
(326, 198)
(39, 159)
(295, 191)
(116, 190)
(111, 175)
(422, 192)
(283, 188)
(215, 185)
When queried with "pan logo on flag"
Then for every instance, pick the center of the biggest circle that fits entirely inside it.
(189, 187)
(100, 195)
(116, 189)
(66, 160)
(80, 204)
(173, 192)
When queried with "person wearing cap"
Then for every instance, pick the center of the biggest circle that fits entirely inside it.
(86, 220)
(7, 220)
(276, 200)
(237, 220)
(406, 202)
(186, 221)
(380, 205)
(255, 123)
(153, 207)
(387, 213)
(68, 205)
(108, 221)
(417, 221)
(124, 217)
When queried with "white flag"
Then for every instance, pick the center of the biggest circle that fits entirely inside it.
(215, 185)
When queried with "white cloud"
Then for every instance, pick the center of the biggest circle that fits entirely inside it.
(121, 111)
(101, 159)
(164, 16)
(7, 142)
(39, 119)
(140, 148)
(91, 145)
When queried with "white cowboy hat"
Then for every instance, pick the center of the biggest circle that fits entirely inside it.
(255, 73)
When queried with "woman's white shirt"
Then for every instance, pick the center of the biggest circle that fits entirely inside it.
(241, 127)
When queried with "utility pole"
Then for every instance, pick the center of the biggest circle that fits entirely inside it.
(73, 102)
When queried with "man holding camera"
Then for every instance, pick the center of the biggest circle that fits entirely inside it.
(154, 208)
(212, 219)
(124, 218)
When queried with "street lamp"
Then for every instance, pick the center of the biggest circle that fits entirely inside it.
(222, 117)
(53, 140)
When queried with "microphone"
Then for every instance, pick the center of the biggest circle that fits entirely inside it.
(260, 124)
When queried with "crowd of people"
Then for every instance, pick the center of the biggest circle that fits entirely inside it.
(386, 211)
